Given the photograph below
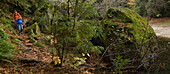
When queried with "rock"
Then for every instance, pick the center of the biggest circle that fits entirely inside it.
(22, 46)
(128, 31)
(33, 31)
(126, 24)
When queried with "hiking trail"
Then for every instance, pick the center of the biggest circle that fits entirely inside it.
(29, 52)
(161, 27)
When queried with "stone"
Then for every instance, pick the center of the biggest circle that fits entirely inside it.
(126, 24)
(33, 31)
(35, 28)
(128, 31)
(22, 46)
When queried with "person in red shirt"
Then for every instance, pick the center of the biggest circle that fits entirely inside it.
(16, 15)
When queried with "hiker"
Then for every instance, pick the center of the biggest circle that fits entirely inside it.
(19, 21)
(16, 15)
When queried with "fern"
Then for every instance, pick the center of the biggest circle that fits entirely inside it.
(5, 46)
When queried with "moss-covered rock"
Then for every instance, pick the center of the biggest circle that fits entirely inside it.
(128, 31)
(33, 31)
(126, 24)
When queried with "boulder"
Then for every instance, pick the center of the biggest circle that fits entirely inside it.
(129, 34)
(126, 24)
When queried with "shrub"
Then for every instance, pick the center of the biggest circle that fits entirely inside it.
(5, 46)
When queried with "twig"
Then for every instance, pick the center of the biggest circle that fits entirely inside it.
(104, 53)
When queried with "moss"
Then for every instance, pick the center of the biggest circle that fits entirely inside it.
(33, 32)
(32, 39)
(33, 35)
(117, 15)
(138, 28)
(10, 28)
(3, 34)
(35, 29)
(127, 25)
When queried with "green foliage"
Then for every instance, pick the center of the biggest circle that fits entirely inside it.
(34, 29)
(151, 8)
(28, 6)
(158, 15)
(125, 25)
(5, 46)
(120, 63)
(126, 32)
(33, 32)
(45, 40)
(79, 37)
(5, 49)
(72, 29)
(3, 34)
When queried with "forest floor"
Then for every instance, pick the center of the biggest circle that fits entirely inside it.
(29, 58)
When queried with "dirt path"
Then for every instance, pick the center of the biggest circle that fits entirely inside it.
(161, 27)
(162, 30)
(28, 51)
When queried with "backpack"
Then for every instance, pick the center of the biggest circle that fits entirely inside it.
(15, 14)
(19, 21)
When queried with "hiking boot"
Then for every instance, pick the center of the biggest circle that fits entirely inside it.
(21, 30)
